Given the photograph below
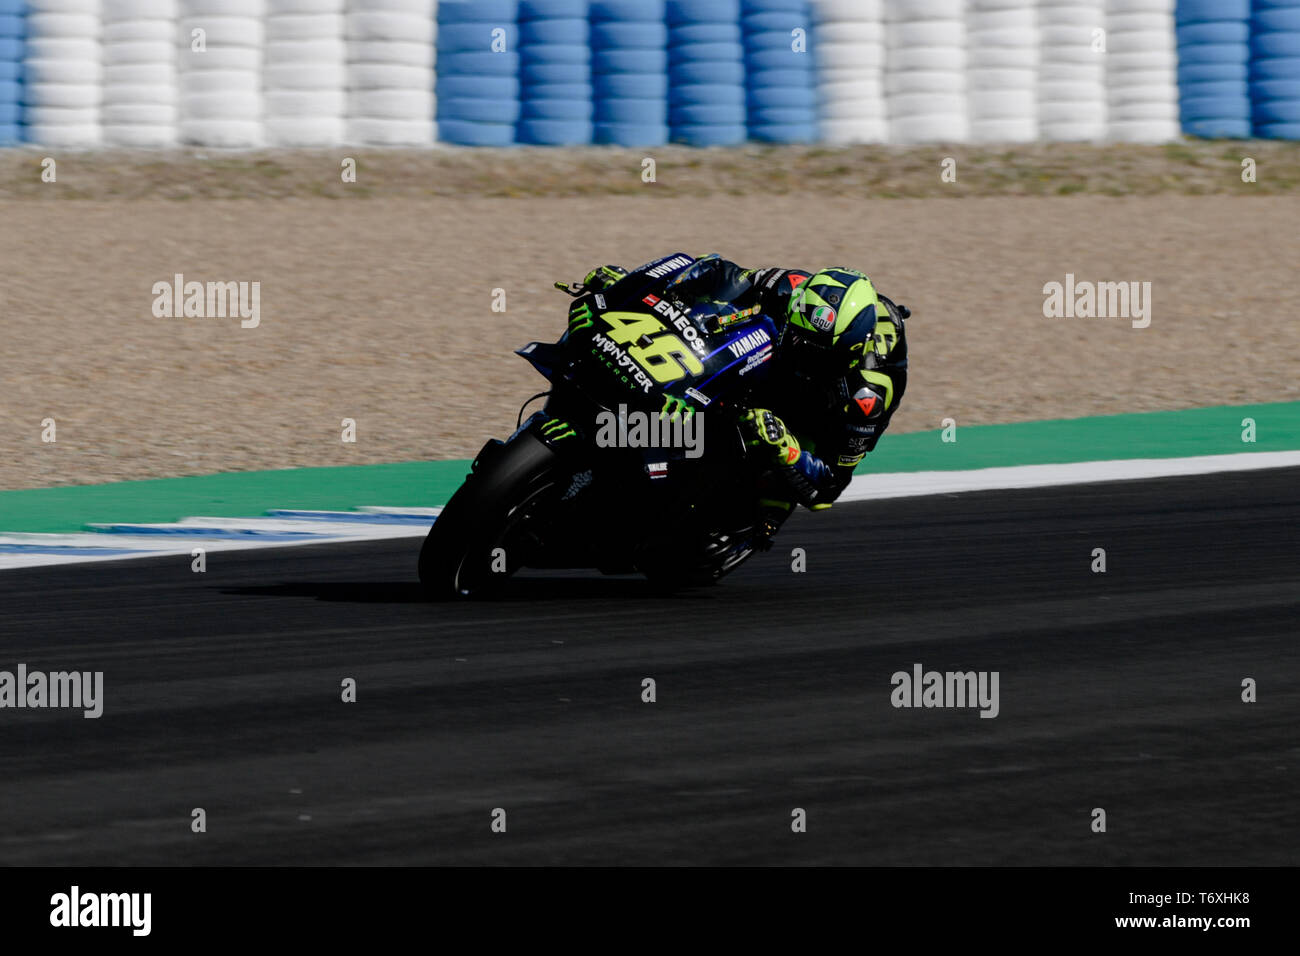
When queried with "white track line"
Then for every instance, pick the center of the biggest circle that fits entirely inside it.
(911, 484)
(862, 488)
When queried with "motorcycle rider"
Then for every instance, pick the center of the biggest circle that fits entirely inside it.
(839, 369)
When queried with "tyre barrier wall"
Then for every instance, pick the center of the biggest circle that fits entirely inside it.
(642, 73)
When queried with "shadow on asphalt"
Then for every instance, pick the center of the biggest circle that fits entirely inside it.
(529, 589)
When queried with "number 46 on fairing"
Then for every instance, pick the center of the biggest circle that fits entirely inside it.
(663, 357)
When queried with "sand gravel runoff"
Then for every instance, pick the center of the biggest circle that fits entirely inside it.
(381, 311)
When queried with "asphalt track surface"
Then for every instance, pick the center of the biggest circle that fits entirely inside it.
(1118, 690)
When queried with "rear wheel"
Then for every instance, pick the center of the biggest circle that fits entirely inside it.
(495, 509)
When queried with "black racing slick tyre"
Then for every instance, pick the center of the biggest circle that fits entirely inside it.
(509, 487)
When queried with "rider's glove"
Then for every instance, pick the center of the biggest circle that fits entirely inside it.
(600, 279)
(768, 435)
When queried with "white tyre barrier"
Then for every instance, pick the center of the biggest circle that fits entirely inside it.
(372, 131)
(927, 42)
(849, 49)
(310, 26)
(299, 131)
(153, 31)
(139, 114)
(66, 135)
(64, 95)
(850, 132)
(388, 73)
(223, 134)
(140, 137)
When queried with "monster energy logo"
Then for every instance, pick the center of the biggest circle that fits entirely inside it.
(555, 430)
(580, 316)
(674, 407)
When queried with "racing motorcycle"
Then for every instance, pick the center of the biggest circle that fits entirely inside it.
(636, 462)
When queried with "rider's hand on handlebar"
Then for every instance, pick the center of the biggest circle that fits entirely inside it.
(768, 435)
(600, 279)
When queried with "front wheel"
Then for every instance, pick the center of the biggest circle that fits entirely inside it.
(480, 538)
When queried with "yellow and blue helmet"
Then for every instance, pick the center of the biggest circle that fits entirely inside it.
(830, 321)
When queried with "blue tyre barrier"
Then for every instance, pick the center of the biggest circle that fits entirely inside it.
(1276, 89)
(615, 60)
(1191, 11)
(793, 133)
(11, 25)
(711, 94)
(629, 36)
(702, 11)
(704, 72)
(479, 111)
(781, 116)
(1212, 107)
(635, 11)
(1218, 128)
(706, 33)
(632, 112)
(561, 32)
(11, 48)
(1218, 31)
(702, 115)
(1219, 52)
(630, 85)
(552, 10)
(571, 110)
(1276, 111)
(1264, 45)
(710, 135)
(770, 40)
(705, 53)
(476, 134)
(780, 79)
(479, 64)
(474, 87)
(10, 112)
(555, 53)
(1278, 130)
(1278, 68)
(463, 11)
(630, 134)
(11, 70)
(783, 97)
(533, 74)
(782, 59)
(1229, 89)
(560, 91)
(630, 40)
(552, 132)
(781, 22)
(477, 37)
(1276, 20)
(1211, 72)
(750, 8)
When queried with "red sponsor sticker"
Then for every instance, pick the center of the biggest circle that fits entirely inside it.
(651, 300)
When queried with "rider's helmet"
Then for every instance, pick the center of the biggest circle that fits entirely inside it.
(830, 321)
